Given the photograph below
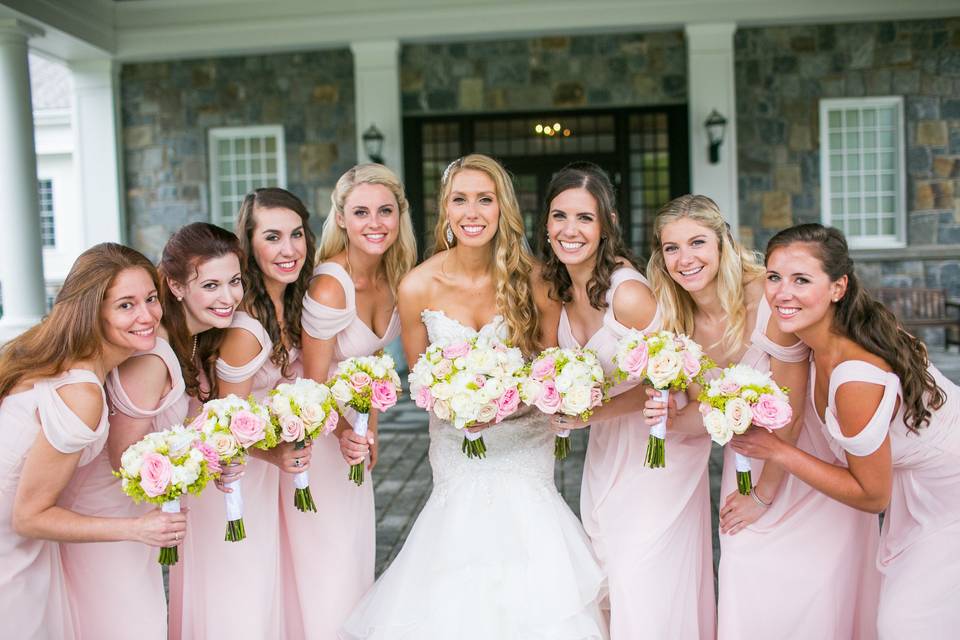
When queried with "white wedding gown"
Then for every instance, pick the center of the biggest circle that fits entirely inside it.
(496, 554)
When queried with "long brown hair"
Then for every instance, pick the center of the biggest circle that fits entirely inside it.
(256, 300)
(612, 249)
(868, 323)
(185, 251)
(73, 330)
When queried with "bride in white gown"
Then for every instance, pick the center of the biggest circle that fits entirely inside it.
(495, 554)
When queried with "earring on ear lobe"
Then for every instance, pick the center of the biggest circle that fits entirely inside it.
(449, 235)
(179, 298)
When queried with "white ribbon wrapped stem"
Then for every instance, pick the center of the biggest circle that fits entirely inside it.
(742, 462)
(564, 433)
(360, 425)
(301, 480)
(171, 506)
(659, 430)
(234, 501)
(472, 436)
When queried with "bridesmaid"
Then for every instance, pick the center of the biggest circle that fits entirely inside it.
(53, 419)
(367, 246)
(713, 289)
(649, 527)
(232, 589)
(199, 289)
(890, 416)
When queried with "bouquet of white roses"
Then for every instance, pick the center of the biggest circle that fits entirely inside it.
(568, 381)
(231, 426)
(666, 360)
(468, 382)
(739, 397)
(302, 410)
(164, 466)
(363, 383)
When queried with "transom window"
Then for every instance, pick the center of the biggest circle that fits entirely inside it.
(241, 160)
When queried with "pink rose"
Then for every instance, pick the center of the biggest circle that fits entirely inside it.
(331, 422)
(211, 456)
(291, 428)
(247, 428)
(543, 369)
(705, 409)
(456, 350)
(480, 381)
(507, 404)
(636, 360)
(596, 397)
(443, 369)
(691, 364)
(360, 381)
(155, 474)
(771, 412)
(549, 400)
(424, 398)
(384, 395)
(197, 424)
(728, 387)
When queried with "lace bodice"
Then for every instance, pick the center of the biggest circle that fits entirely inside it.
(520, 447)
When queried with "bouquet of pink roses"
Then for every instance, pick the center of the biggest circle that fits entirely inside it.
(363, 383)
(164, 466)
(468, 382)
(231, 426)
(666, 360)
(568, 381)
(739, 397)
(302, 410)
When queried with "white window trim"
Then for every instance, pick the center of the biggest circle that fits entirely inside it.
(215, 134)
(861, 242)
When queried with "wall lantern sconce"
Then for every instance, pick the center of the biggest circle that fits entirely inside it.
(373, 144)
(716, 124)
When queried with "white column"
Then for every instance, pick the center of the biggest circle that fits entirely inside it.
(376, 70)
(21, 254)
(712, 86)
(96, 127)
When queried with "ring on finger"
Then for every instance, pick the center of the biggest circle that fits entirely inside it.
(296, 462)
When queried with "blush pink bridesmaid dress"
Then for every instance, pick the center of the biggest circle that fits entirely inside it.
(225, 589)
(328, 557)
(118, 586)
(650, 528)
(805, 568)
(919, 554)
(34, 604)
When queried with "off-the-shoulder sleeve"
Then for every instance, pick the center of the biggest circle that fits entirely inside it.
(875, 432)
(121, 400)
(798, 352)
(618, 277)
(61, 426)
(323, 322)
(230, 373)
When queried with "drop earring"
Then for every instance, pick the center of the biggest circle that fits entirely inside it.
(449, 235)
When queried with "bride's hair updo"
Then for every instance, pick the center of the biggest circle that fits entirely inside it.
(513, 262)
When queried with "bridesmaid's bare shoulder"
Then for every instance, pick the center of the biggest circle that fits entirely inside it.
(85, 400)
(145, 379)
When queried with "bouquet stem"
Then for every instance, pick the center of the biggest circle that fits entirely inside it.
(169, 555)
(473, 445)
(656, 457)
(359, 428)
(561, 445)
(302, 498)
(234, 502)
(744, 478)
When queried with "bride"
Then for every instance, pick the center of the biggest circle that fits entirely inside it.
(495, 554)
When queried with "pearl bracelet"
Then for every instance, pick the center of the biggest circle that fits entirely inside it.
(757, 499)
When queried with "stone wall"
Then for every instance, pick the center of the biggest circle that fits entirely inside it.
(608, 70)
(167, 108)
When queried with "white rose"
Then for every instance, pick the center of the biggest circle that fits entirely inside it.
(131, 461)
(341, 391)
(312, 415)
(718, 427)
(441, 409)
(280, 404)
(530, 390)
(179, 442)
(663, 368)
(487, 412)
(224, 444)
(442, 391)
(575, 401)
(739, 414)
(463, 405)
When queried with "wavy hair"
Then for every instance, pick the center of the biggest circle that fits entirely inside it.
(73, 330)
(611, 249)
(868, 323)
(185, 251)
(256, 300)
(402, 255)
(738, 266)
(513, 262)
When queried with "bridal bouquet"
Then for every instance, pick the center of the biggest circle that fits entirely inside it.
(568, 381)
(468, 382)
(739, 397)
(164, 466)
(363, 383)
(668, 361)
(302, 410)
(231, 426)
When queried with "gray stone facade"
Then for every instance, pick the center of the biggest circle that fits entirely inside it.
(609, 70)
(781, 75)
(168, 107)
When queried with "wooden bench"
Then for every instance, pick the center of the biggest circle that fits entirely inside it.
(923, 308)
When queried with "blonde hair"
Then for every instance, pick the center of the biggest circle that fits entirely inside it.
(513, 262)
(738, 266)
(402, 255)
